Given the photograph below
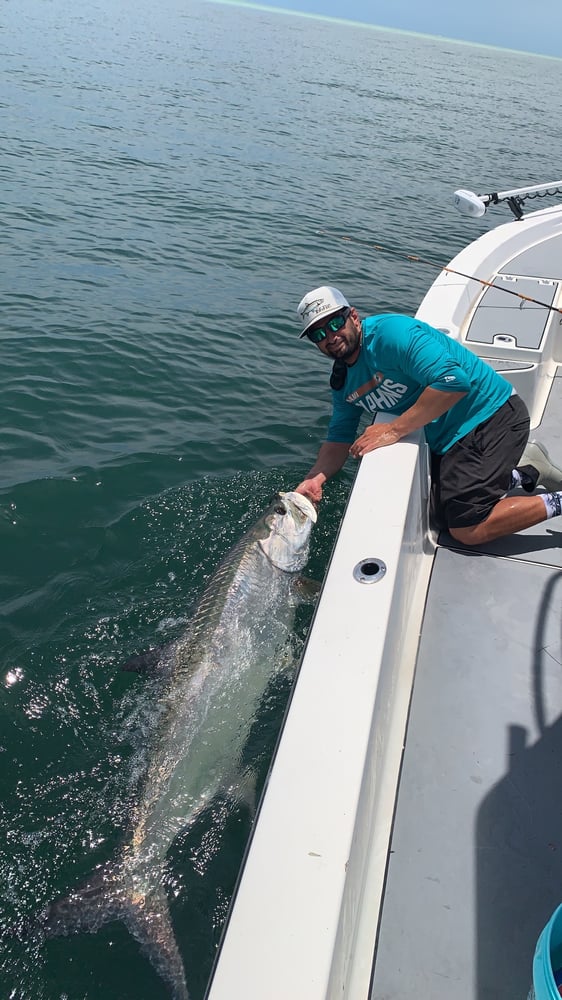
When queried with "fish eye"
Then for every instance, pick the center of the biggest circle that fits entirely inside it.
(280, 509)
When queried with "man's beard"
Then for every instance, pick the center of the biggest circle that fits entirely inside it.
(346, 349)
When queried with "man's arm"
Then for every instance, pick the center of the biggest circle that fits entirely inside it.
(431, 404)
(331, 458)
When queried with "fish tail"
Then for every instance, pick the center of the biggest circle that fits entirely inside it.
(104, 898)
(94, 903)
(148, 919)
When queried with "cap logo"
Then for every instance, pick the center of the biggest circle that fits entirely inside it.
(317, 307)
(311, 307)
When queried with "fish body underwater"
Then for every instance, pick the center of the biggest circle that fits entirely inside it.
(213, 680)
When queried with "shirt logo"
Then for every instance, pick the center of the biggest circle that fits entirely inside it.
(384, 397)
(373, 382)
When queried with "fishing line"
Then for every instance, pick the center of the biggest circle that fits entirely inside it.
(413, 258)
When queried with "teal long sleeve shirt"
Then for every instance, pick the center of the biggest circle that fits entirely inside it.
(399, 358)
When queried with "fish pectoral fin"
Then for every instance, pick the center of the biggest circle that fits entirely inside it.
(306, 591)
(246, 790)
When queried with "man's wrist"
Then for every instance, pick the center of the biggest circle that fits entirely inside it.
(318, 477)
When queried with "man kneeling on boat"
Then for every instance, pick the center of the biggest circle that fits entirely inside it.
(476, 425)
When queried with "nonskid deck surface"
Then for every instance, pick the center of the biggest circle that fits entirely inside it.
(475, 867)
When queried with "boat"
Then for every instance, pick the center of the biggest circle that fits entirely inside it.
(409, 839)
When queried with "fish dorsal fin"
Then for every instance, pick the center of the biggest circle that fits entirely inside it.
(146, 662)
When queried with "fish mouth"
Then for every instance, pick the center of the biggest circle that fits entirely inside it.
(302, 503)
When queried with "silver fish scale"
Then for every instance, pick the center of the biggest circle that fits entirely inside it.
(214, 679)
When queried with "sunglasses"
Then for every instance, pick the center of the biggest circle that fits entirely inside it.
(334, 324)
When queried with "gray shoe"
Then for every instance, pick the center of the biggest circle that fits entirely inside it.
(550, 476)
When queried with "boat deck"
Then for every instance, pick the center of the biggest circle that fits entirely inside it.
(409, 841)
(475, 867)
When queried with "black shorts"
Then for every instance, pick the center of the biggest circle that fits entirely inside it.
(469, 479)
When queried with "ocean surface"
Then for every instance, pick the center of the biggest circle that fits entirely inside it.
(166, 170)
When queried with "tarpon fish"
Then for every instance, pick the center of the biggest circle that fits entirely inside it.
(214, 678)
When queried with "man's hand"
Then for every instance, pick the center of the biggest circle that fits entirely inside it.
(431, 404)
(331, 458)
(375, 436)
(312, 488)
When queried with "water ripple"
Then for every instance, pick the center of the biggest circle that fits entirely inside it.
(165, 171)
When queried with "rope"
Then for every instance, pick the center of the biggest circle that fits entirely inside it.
(432, 263)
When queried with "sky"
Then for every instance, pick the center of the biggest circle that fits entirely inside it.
(509, 24)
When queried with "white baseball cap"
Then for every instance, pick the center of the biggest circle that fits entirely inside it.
(319, 303)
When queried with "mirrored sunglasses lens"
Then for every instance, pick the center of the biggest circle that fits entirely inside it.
(336, 323)
(333, 325)
(317, 336)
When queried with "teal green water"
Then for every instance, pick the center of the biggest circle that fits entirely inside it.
(165, 171)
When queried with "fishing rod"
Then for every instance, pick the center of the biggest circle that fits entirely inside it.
(413, 258)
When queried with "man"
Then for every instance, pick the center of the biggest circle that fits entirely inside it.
(476, 426)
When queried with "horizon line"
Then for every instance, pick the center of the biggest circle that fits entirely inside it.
(270, 8)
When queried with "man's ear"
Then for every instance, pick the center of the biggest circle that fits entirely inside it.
(355, 317)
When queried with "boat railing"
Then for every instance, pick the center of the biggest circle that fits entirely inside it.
(304, 918)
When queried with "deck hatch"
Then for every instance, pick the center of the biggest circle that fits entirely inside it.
(500, 315)
(545, 258)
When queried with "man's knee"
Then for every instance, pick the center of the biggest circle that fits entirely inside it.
(476, 534)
